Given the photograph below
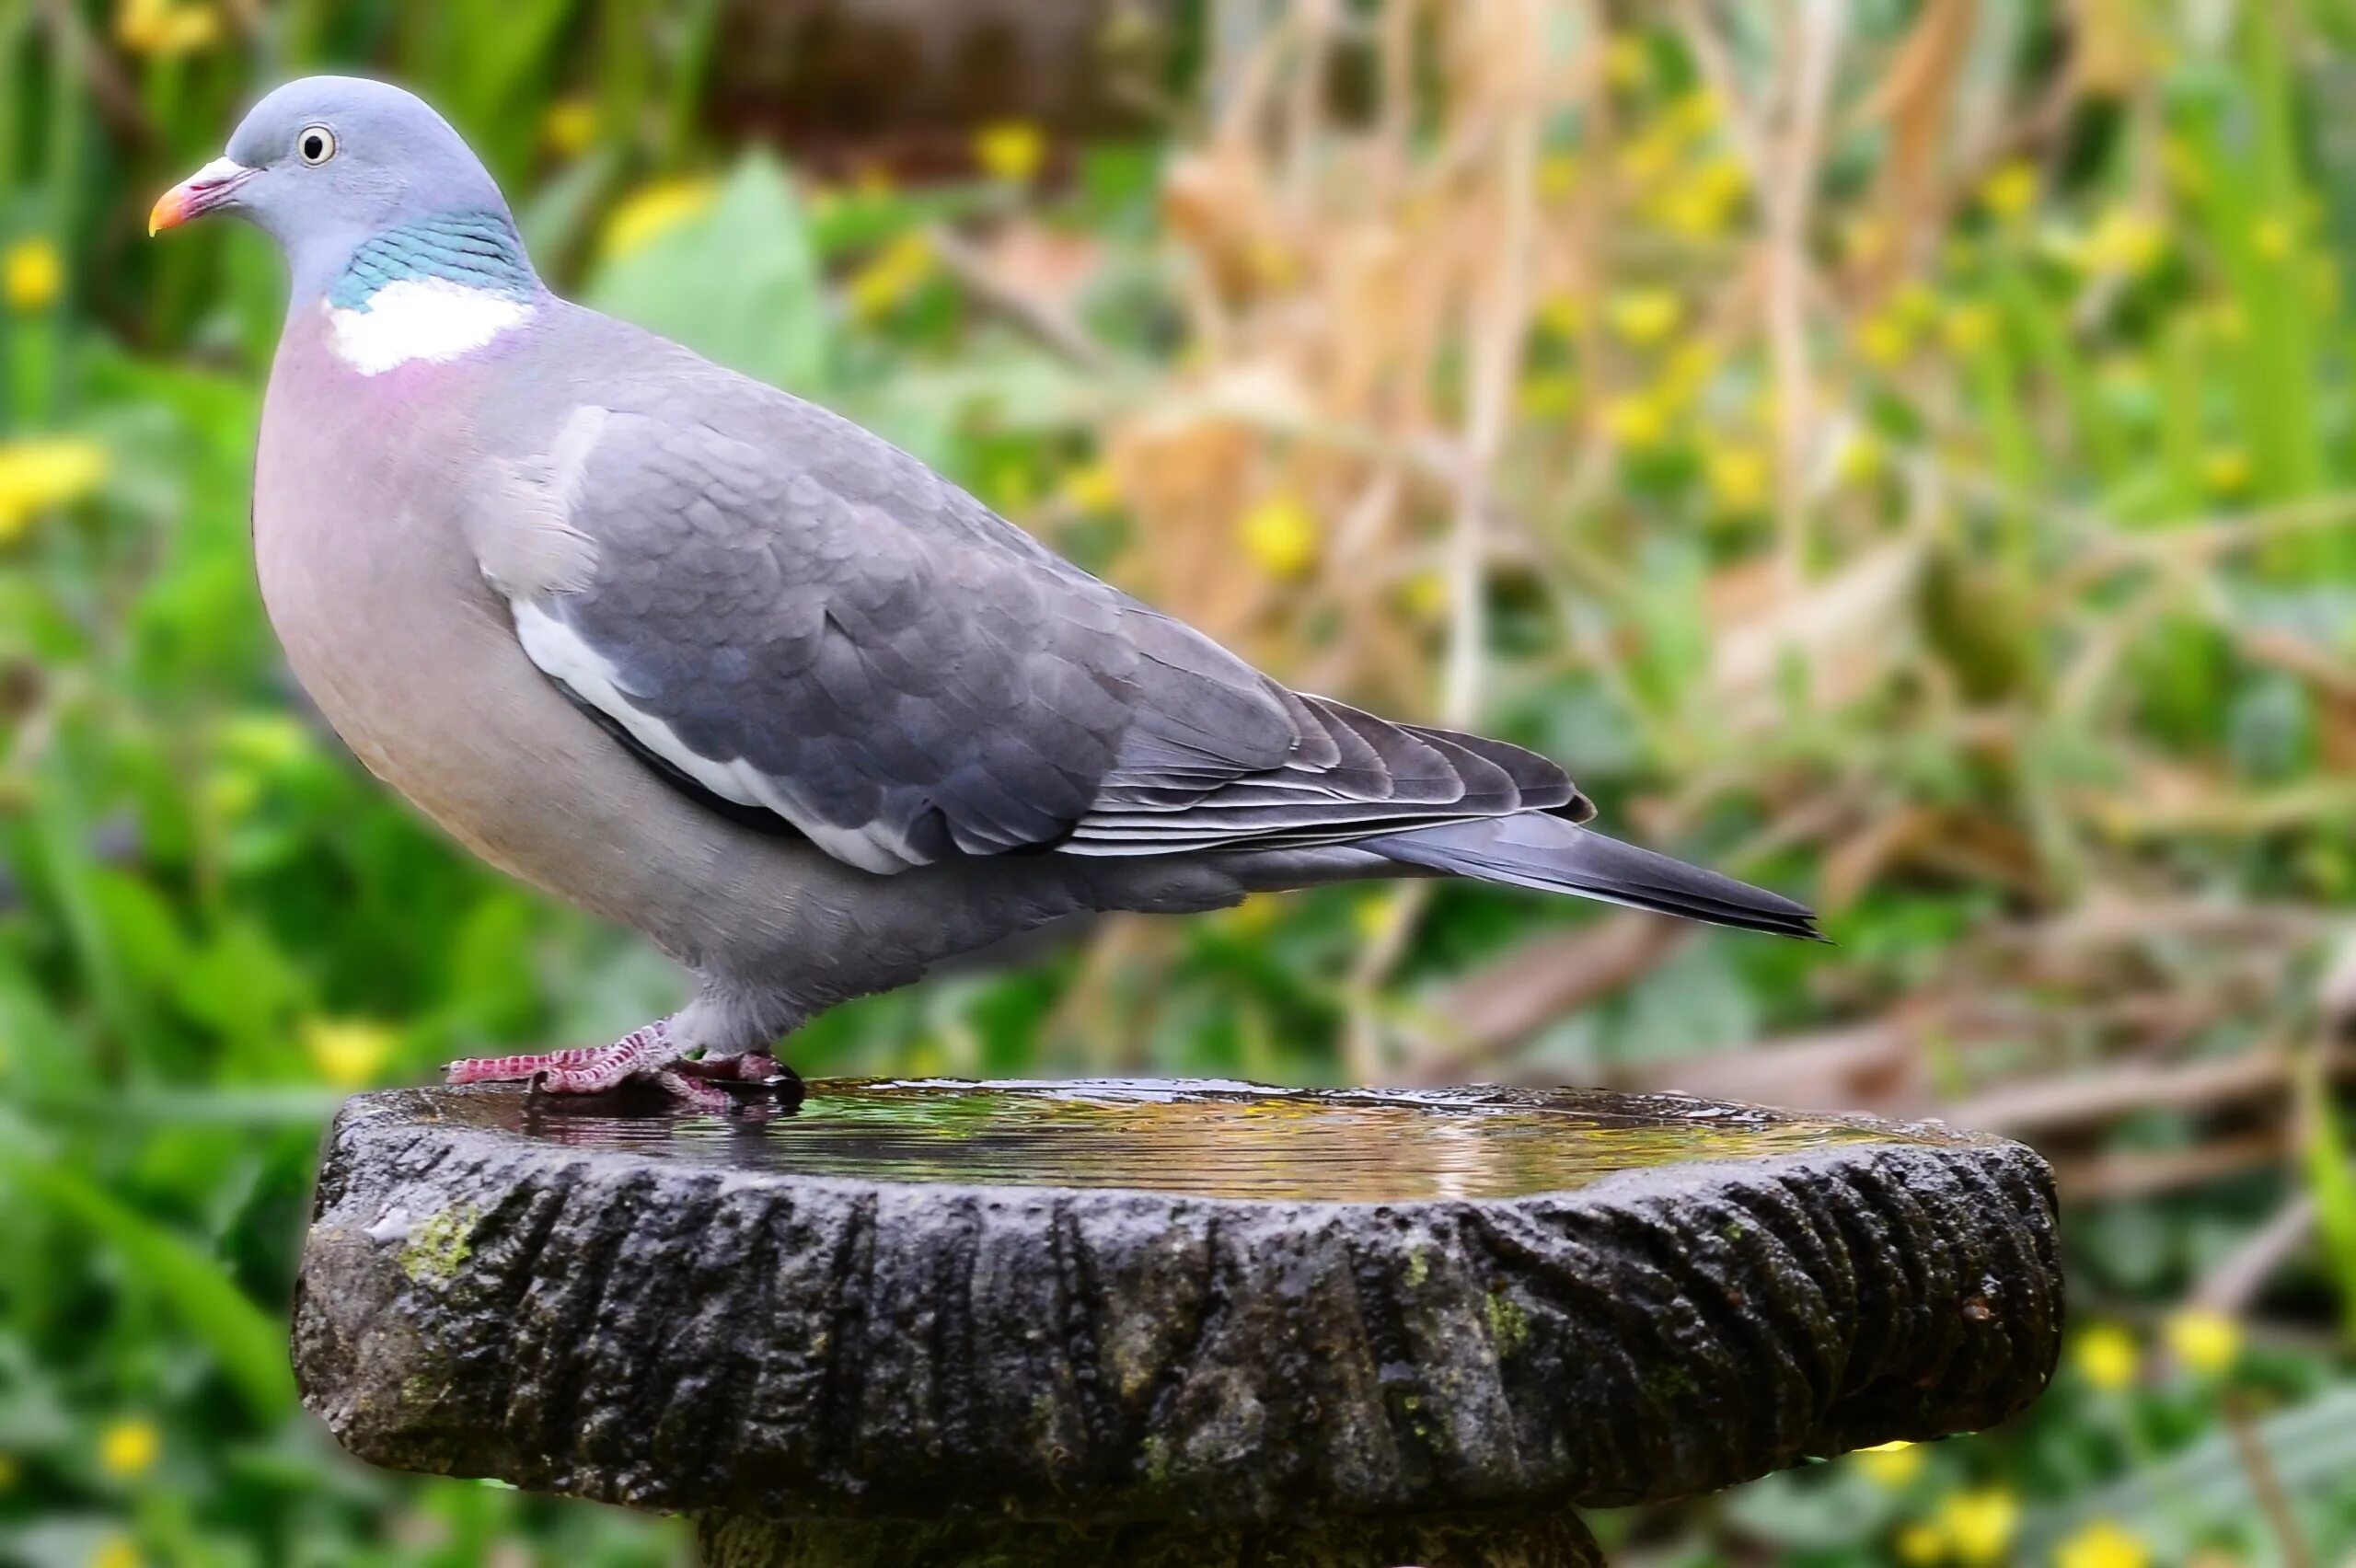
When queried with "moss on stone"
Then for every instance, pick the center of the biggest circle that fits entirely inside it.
(1509, 1324)
(439, 1248)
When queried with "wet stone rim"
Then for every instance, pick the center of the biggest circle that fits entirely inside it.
(676, 1335)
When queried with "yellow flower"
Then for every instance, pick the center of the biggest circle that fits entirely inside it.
(2124, 242)
(1738, 477)
(2124, 377)
(1275, 264)
(350, 1052)
(1010, 150)
(10, 1472)
(1425, 595)
(654, 210)
(2101, 1545)
(2226, 470)
(128, 1447)
(1636, 422)
(1697, 111)
(231, 794)
(1968, 328)
(2183, 166)
(266, 739)
(1645, 317)
(1548, 396)
(1979, 1525)
(165, 29)
(1862, 458)
(1093, 487)
(895, 272)
(1562, 314)
(1648, 158)
(1279, 535)
(2107, 1358)
(45, 471)
(1865, 239)
(2272, 238)
(1255, 914)
(571, 125)
(1700, 205)
(1374, 916)
(116, 1552)
(2225, 320)
(1883, 339)
(1627, 60)
(1915, 306)
(1892, 1466)
(1558, 175)
(1689, 369)
(31, 275)
(1921, 1544)
(2011, 191)
(1010, 485)
(2206, 1343)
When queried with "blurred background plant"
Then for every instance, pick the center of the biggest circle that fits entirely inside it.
(1899, 451)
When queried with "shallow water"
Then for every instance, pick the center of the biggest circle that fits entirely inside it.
(1204, 1139)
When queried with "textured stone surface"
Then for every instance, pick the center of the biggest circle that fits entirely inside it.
(1557, 1542)
(728, 1317)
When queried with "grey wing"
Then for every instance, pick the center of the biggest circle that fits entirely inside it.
(805, 623)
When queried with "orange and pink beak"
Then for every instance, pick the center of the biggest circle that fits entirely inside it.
(198, 195)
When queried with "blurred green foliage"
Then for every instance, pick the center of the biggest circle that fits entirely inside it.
(2130, 327)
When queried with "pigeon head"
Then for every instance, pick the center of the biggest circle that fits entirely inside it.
(347, 173)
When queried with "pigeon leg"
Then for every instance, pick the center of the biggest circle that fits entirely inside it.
(648, 1053)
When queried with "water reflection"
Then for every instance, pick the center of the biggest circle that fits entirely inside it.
(1217, 1140)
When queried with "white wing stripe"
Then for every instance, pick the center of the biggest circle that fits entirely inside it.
(560, 652)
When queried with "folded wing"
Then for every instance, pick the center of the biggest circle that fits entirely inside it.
(811, 630)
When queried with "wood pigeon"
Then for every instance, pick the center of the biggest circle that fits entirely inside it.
(714, 662)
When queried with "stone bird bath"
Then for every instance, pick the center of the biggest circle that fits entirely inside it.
(943, 1325)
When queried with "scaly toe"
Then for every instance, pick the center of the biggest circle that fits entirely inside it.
(589, 1070)
(702, 1096)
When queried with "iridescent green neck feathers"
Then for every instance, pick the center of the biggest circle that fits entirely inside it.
(474, 250)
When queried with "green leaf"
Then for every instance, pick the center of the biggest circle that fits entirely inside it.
(2333, 1181)
(737, 282)
(248, 1345)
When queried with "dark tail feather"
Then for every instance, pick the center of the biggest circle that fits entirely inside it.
(1534, 849)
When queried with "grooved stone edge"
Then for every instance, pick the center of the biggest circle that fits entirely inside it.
(613, 1325)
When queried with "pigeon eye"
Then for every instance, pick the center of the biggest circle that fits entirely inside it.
(315, 145)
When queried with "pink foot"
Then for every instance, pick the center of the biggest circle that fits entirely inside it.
(702, 1096)
(591, 1070)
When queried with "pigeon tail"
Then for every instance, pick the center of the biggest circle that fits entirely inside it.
(1536, 849)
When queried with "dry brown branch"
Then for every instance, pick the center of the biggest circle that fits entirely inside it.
(1812, 44)
(2233, 1284)
(1916, 98)
(116, 97)
(2265, 1482)
(1876, 1066)
(2138, 1174)
(1043, 319)
(2045, 1106)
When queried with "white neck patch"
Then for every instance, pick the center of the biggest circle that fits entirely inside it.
(421, 319)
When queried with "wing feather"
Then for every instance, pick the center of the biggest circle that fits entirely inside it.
(786, 615)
